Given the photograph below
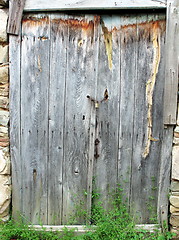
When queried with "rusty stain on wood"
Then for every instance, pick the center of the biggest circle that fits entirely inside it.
(108, 43)
(75, 23)
(33, 21)
(43, 38)
(75, 70)
(39, 64)
(151, 85)
(144, 32)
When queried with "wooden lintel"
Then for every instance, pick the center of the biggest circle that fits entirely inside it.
(45, 5)
(15, 15)
(171, 68)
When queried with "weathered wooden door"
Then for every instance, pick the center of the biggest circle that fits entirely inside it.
(87, 104)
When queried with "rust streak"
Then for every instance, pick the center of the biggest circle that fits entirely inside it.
(108, 43)
(151, 85)
(75, 23)
(147, 25)
(39, 64)
(35, 21)
(145, 29)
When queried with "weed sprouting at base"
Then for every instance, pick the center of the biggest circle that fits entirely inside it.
(112, 224)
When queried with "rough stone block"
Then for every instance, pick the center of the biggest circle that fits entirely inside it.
(4, 142)
(3, 131)
(4, 118)
(176, 140)
(175, 193)
(174, 209)
(6, 155)
(4, 2)
(4, 90)
(178, 116)
(174, 184)
(4, 74)
(4, 53)
(4, 210)
(5, 195)
(174, 219)
(3, 25)
(176, 129)
(176, 134)
(5, 219)
(176, 232)
(174, 200)
(4, 163)
(175, 163)
(4, 102)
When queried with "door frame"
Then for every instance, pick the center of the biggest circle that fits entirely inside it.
(171, 75)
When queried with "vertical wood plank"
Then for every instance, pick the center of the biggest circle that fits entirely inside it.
(158, 132)
(58, 67)
(152, 165)
(107, 119)
(15, 117)
(92, 128)
(164, 175)
(171, 68)
(147, 128)
(80, 81)
(128, 81)
(140, 113)
(15, 16)
(59, 125)
(34, 115)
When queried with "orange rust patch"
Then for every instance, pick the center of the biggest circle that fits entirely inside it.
(33, 21)
(108, 43)
(141, 31)
(75, 23)
(147, 25)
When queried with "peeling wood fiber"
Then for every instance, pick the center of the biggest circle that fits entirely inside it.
(151, 85)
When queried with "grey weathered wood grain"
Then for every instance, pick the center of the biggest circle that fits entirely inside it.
(105, 165)
(164, 174)
(146, 132)
(140, 126)
(157, 114)
(15, 16)
(92, 128)
(171, 69)
(32, 5)
(58, 52)
(34, 115)
(152, 167)
(64, 59)
(15, 122)
(79, 84)
(128, 79)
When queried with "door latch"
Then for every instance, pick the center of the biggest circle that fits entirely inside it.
(96, 150)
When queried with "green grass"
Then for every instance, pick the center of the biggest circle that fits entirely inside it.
(114, 224)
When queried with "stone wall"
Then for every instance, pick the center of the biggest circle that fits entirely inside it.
(5, 180)
(174, 198)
